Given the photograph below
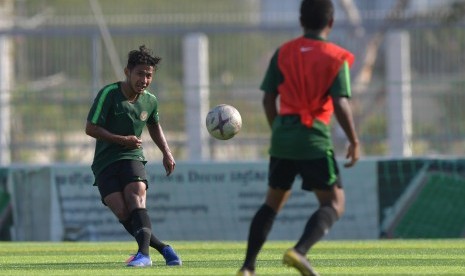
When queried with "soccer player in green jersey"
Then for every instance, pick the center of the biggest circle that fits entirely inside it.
(116, 119)
(311, 77)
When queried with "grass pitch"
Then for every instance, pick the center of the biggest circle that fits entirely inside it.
(377, 257)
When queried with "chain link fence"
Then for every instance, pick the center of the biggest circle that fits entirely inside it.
(61, 61)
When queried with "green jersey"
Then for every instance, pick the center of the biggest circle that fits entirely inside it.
(290, 138)
(112, 111)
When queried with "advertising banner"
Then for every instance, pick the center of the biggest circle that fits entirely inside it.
(211, 201)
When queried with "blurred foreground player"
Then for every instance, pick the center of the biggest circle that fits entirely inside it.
(311, 77)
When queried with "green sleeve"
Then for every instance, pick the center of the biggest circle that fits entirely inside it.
(153, 118)
(341, 84)
(101, 106)
(273, 77)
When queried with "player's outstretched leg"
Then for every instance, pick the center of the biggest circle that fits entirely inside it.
(170, 256)
(298, 261)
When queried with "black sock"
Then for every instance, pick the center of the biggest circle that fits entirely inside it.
(154, 242)
(140, 221)
(259, 229)
(317, 227)
(127, 225)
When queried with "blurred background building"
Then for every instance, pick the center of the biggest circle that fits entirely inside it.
(55, 55)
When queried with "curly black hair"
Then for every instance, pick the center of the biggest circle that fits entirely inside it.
(316, 14)
(142, 56)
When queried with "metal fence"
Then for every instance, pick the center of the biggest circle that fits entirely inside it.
(60, 65)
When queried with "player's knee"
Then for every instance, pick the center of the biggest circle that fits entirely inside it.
(340, 209)
(332, 212)
(338, 202)
(337, 207)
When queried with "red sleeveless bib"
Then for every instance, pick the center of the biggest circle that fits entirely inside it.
(309, 68)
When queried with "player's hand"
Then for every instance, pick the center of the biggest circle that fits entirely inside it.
(132, 142)
(168, 163)
(353, 154)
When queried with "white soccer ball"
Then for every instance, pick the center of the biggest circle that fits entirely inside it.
(223, 122)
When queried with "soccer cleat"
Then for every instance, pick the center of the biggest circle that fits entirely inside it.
(245, 272)
(170, 256)
(298, 261)
(140, 260)
(131, 257)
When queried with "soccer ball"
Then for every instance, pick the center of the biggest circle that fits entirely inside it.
(223, 122)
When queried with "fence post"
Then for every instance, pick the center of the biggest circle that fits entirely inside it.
(6, 79)
(196, 95)
(399, 90)
(97, 67)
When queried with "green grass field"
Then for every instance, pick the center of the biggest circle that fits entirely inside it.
(378, 257)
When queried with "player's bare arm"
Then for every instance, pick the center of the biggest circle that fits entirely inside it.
(158, 137)
(98, 132)
(269, 104)
(343, 114)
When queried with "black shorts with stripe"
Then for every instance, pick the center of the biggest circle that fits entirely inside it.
(316, 174)
(118, 174)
